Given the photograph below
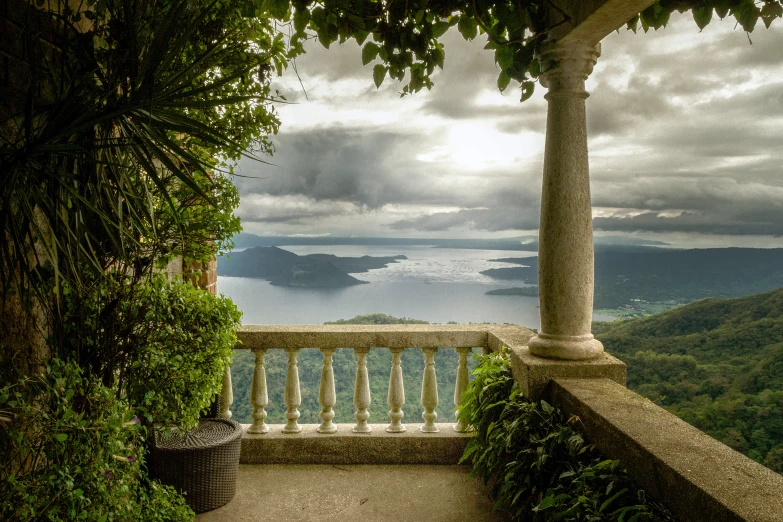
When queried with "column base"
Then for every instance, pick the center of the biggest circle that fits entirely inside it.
(534, 374)
(569, 347)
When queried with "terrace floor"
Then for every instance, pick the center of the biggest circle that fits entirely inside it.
(371, 493)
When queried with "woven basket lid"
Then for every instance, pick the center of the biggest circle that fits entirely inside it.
(209, 433)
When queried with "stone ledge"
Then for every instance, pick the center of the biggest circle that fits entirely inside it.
(509, 336)
(346, 447)
(361, 336)
(534, 374)
(697, 477)
(253, 336)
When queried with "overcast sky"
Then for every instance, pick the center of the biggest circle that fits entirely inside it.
(685, 135)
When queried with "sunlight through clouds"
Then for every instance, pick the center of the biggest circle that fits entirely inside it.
(684, 135)
(477, 146)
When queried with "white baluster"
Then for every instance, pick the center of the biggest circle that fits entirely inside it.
(361, 392)
(461, 385)
(326, 395)
(226, 395)
(258, 394)
(429, 392)
(292, 397)
(396, 397)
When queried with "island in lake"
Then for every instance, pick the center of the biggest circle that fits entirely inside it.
(527, 272)
(283, 268)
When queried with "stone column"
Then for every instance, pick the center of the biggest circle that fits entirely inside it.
(565, 251)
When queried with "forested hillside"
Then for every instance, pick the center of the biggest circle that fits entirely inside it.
(344, 363)
(627, 279)
(718, 364)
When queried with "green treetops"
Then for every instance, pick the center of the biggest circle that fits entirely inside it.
(405, 34)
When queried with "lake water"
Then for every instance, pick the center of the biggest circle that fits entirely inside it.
(434, 284)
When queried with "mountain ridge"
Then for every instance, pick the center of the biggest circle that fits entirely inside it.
(662, 275)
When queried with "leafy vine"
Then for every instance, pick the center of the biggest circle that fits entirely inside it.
(405, 34)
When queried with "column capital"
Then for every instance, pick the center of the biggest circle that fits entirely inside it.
(566, 66)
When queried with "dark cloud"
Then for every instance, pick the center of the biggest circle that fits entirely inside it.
(495, 219)
(712, 223)
(293, 210)
(369, 168)
(339, 62)
(333, 164)
(614, 111)
(685, 137)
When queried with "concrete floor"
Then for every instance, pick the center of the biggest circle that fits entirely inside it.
(366, 493)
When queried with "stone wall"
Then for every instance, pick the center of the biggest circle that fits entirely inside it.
(204, 274)
(698, 478)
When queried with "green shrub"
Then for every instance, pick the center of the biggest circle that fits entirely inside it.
(539, 466)
(140, 353)
(162, 345)
(73, 451)
(186, 339)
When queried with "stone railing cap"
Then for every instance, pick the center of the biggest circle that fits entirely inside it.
(385, 336)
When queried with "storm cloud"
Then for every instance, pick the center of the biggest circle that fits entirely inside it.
(685, 128)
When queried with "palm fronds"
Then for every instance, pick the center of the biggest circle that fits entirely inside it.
(124, 127)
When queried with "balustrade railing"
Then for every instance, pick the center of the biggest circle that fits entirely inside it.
(396, 339)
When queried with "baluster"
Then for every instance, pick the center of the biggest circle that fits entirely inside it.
(258, 394)
(326, 395)
(460, 386)
(396, 397)
(429, 392)
(226, 395)
(361, 392)
(293, 397)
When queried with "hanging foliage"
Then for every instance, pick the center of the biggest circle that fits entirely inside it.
(402, 37)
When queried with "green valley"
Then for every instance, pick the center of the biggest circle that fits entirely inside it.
(717, 364)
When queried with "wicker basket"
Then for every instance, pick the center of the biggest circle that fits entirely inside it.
(201, 463)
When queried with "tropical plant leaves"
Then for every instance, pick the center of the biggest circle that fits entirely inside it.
(539, 467)
(88, 176)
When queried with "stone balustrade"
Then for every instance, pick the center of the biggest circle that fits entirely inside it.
(697, 477)
(395, 338)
